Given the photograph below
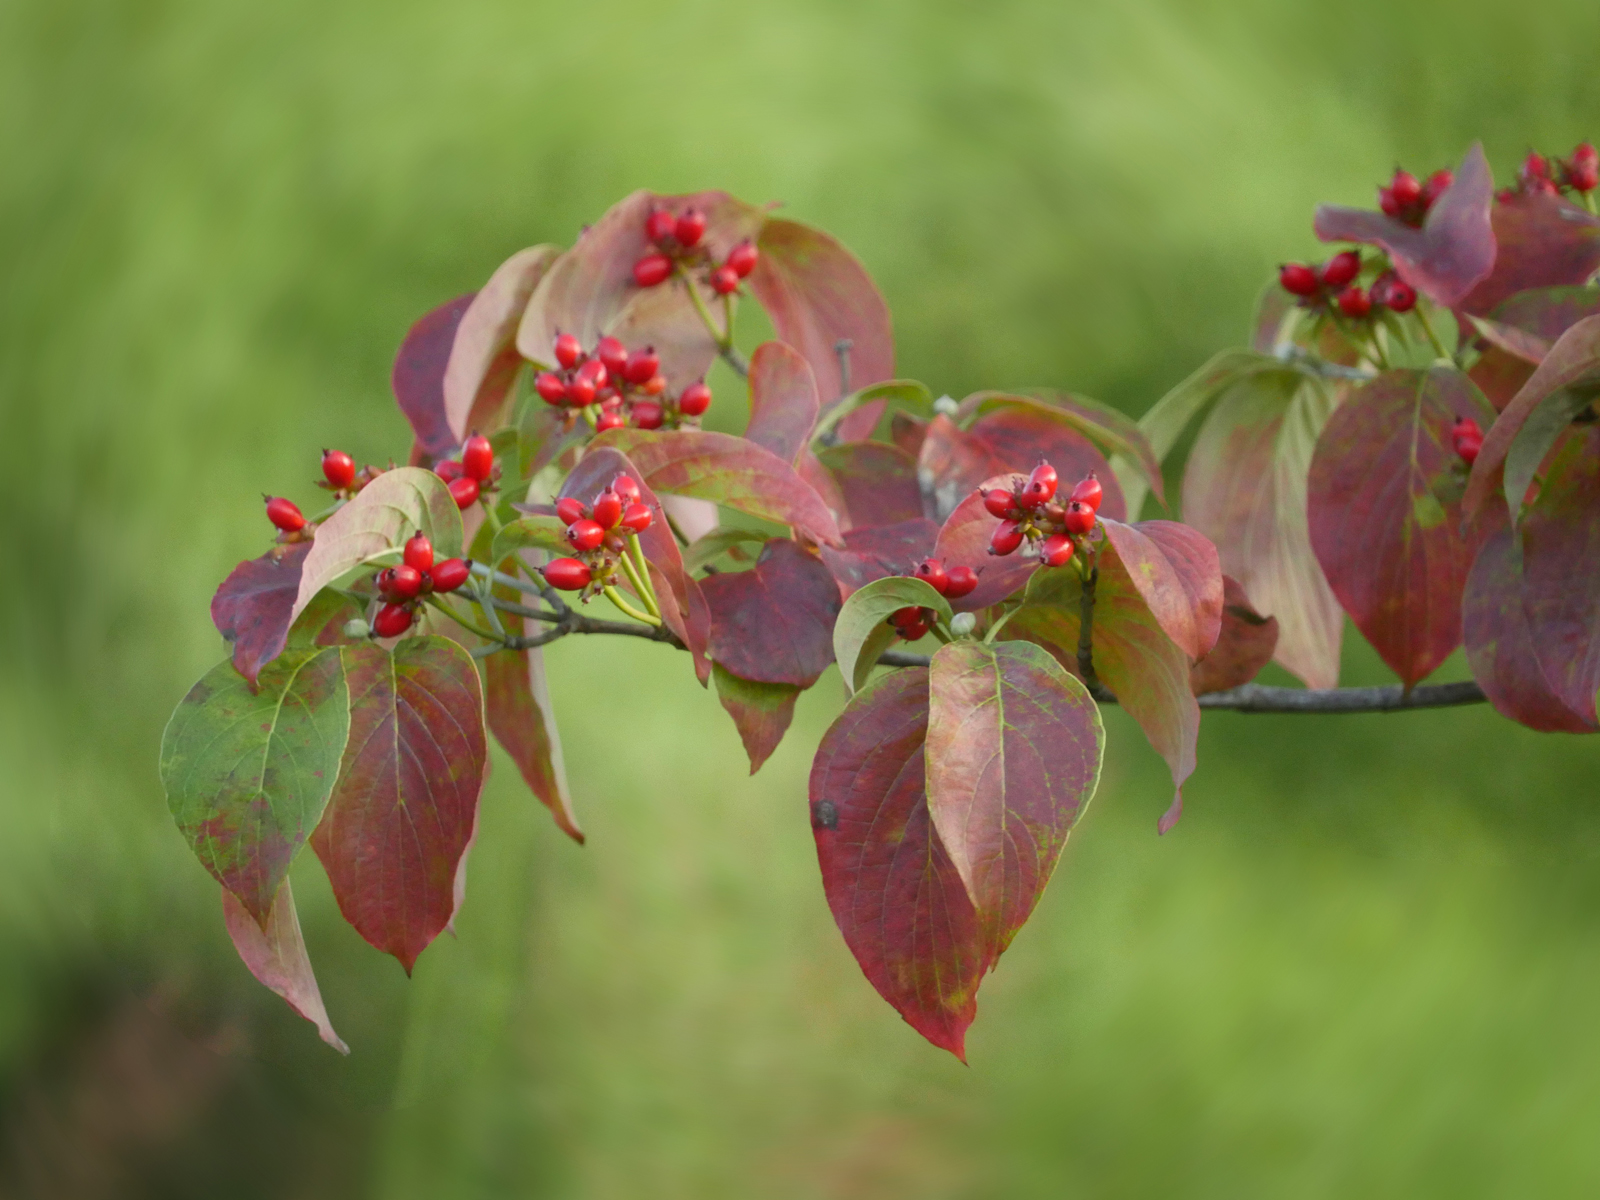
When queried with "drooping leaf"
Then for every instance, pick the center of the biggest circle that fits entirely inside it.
(880, 550)
(816, 294)
(862, 631)
(275, 952)
(878, 482)
(891, 886)
(728, 470)
(1115, 434)
(760, 711)
(255, 606)
(483, 359)
(771, 624)
(1244, 645)
(1395, 555)
(1013, 756)
(1542, 241)
(783, 400)
(418, 376)
(248, 771)
(406, 801)
(1452, 252)
(964, 541)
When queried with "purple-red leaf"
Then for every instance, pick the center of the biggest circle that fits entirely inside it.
(406, 802)
(276, 955)
(1244, 646)
(517, 707)
(255, 606)
(879, 551)
(1188, 602)
(418, 376)
(783, 400)
(1454, 249)
(483, 360)
(1542, 241)
(893, 890)
(878, 482)
(761, 711)
(1393, 550)
(774, 622)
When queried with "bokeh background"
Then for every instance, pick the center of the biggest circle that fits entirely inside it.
(1365, 963)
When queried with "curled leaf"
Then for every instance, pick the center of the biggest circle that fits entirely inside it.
(863, 632)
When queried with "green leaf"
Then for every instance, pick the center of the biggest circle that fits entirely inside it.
(862, 632)
(907, 392)
(536, 531)
(701, 552)
(248, 771)
(760, 711)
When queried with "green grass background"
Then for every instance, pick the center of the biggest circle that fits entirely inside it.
(1365, 963)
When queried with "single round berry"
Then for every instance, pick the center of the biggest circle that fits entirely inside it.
(608, 509)
(694, 401)
(477, 457)
(449, 469)
(609, 420)
(595, 372)
(451, 574)
(641, 366)
(1388, 203)
(1400, 296)
(637, 517)
(550, 386)
(913, 632)
(742, 258)
(1088, 493)
(566, 574)
(1007, 537)
(999, 502)
(613, 354)
(1467, 438)
(285, 514)
(1406, 188)
(571, 509)
(647, 414)
(1436, 185)
(655, 385)
(338, 468)
(1298, 279)
(1535, 166)
(651, 270)
(1341, 268)
(580, 392)
(419, 552)
(392, 620)
(931, 571)
(569, 350)
(960, 581)
(1079, 518)
(1041, 486)
(585, 534)
(910, 615)
(464, 491)
(724, 280)
(403, 583)
(659, 224)
(690, 227)
(1056, 550)
(627, 489)
(1355, 303)
(1584, 152)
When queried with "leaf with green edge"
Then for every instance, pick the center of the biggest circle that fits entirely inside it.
(1013, 757)
(783, 400)
(1116, 434)
(406, 802)
(1570, 373)
(534, 530)
(254, 606)
(483, 361)
(879, 551)
(248, 770)
(862, 630)
(728, 470)
(761, 712)
(890, 884)
(418, 376)
(964, 541)
(878, 482)
(1542, 241)
(1394, 554)
(1529, 347)
(1245, 644)
(1453, 250)
(771, 624)
(816, 293)
(275, 952)
(864, 407)
(1244, 487)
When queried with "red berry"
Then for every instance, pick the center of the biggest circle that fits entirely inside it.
(627, 489)
(569, 350)
(613, 354)
(419, 552)
(1298, 279)
(1001, 503)
(1079, 518)
(914, 632)
(285, 514)
(402, 583)
(1585, 152)
(1341, 268)
(931, 571)
(637, 517)
(1088, 493)
(609, 420)
(567, 574)
(392, 620)
(1436, 185)
(651, 270)
(448, 470)
(640, 367)
(1535, 166)
(655, 385)
(1007, 537)
(1056, 550)
(690, 227)
(1399, 296)
(742, 258)
(608, 397)
(1583, 169)
(570, 509)
(338, 468)
(580, 392)
(464, 491)
(550, 387)
(1354, 302)
(585, 534)
(1041, 486)
(724, 280)
(1386, 201)
(909, 615)
(595, 372)
(1406, 188)
(959, 581)
(608, 509)
(477, 457)
(658, 225)
(1468, 448)
(694, 401)
(647, 414)
(451, 574)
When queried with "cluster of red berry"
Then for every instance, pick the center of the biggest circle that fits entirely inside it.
(1408, 199)
(339, 476)
(472, 474)
(1579, 172)
(417, 575)
(1335, 281)
(912, 623)
(1030, 512)
(599, 534)
(676, 239)
(1467, 438)
(625, 387)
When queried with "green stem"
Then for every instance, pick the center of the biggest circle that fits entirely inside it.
(722, 339)
(643, 568)
(615, 597)
(467, 625)
(638, 586)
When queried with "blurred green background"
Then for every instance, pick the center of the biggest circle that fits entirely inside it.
(1365, 963)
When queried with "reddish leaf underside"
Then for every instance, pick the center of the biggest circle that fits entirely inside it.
(1244, 644)
(774, 622)
(254, 607)
(276, 955)
(878, 482)
(879, 551)
(483, 360)
(418, 376)
(761, 711)
(406, 802)
(1542, 241)
(891, 886)
(783, 400)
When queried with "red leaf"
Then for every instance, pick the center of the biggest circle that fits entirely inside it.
(1454, 249)
(878, 482)
(964, 540)
(891, 886)
(816, 294)
(1500, 375)
(878, 551)
(953, 461)
(483, 360)
(517, 705)
(1244, 645)
(761, 712)
(1393, 551)
(276, 955)
(1543, 241)
(907, 430)
(1013, 754)
(774, 622)
(418, 376)
(254, 607)
(404, 807)
(820, 480)
(1189, 606)
(1548, 312)
(783, 400)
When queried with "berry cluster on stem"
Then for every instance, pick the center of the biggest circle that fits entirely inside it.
(1407, 199)
(677, 245)
(613, 387)
(1030, 512)
(605, 538)
(403, 587)
(912, 623)
(1322, 287)
(1579, 172)
(472, 474)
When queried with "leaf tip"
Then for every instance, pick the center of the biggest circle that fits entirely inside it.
(1170, 817)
